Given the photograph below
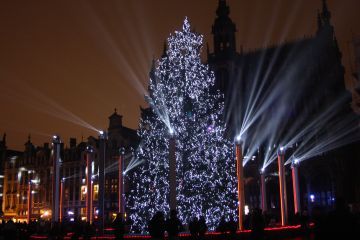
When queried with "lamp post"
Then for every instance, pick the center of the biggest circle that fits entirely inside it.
(89, 194)
(29, 201)
(56, 179)
(282, 186)
(263, 190)
(172, 171)
(295, 181)
(121, 203)
(102, 157)
(240, 183)
(61, 199)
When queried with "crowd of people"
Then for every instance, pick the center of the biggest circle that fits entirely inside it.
(340, 222)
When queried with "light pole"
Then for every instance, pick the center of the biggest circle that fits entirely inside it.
(240, 183)
(295, 181)
(29, 201)
(263, 190)
(102, 157)
(172, 170)
(282, 186)
(55, 179)
(61, 198)
(89, 194)
(121, 181)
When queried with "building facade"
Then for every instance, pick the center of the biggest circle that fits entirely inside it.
(284, 88)
(35, 165)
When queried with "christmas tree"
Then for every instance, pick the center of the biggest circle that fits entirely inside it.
(182, 103)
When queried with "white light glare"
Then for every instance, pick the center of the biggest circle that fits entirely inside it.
(246, 209)
(262, 170)
(282, 148)
(312, 197)
(101, 132)
(171, 131)
(238, 138)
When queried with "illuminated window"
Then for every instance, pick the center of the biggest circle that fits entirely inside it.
(96, 191)
(83, 193)
(114, 185)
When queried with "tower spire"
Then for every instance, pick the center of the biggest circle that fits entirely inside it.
(222, 10)
(326, 15)
(319, 21)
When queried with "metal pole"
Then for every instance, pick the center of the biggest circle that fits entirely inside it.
(263, 191)
(240, 185)
(61, 199)
(282, 186)
(89, 152)
(56, 179)
(295, 180)
(121, 181)
(102, 156)
(29, 200)
(172, 173)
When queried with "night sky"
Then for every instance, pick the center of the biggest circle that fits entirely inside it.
(65, 65)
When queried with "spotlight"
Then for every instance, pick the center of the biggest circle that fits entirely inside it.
(171, 131)
(238, 138)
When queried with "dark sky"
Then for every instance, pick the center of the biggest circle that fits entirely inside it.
(65, 65)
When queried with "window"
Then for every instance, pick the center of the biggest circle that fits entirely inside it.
(96, 192)
(83, 193)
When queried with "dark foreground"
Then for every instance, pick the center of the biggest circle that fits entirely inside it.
(285, 233)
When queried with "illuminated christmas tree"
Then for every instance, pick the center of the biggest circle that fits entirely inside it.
(182, 102)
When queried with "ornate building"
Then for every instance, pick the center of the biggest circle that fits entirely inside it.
(282, 89)
(35, 165)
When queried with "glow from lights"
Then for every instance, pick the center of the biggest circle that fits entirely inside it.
(35, 181)
(312, 197)
(246, 210)
(179, 93)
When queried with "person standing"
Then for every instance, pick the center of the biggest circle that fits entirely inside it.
(173, 226)
(157, 226)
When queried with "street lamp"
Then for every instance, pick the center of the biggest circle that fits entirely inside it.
(89, 194)
(295, 181)
(282, 186)
(240, 182)
(263, 190)
(56, 179)
(121, 202)
(102, 157)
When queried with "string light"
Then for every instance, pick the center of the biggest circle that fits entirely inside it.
(206, 181)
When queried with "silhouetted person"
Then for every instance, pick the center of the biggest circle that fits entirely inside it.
(202, 227)
(232, 227)
(78, 229)
(257, 224)
(157, 226)
(10, 230)
(173, 225)
(222, 225)
(194, 228)
(119, 226)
